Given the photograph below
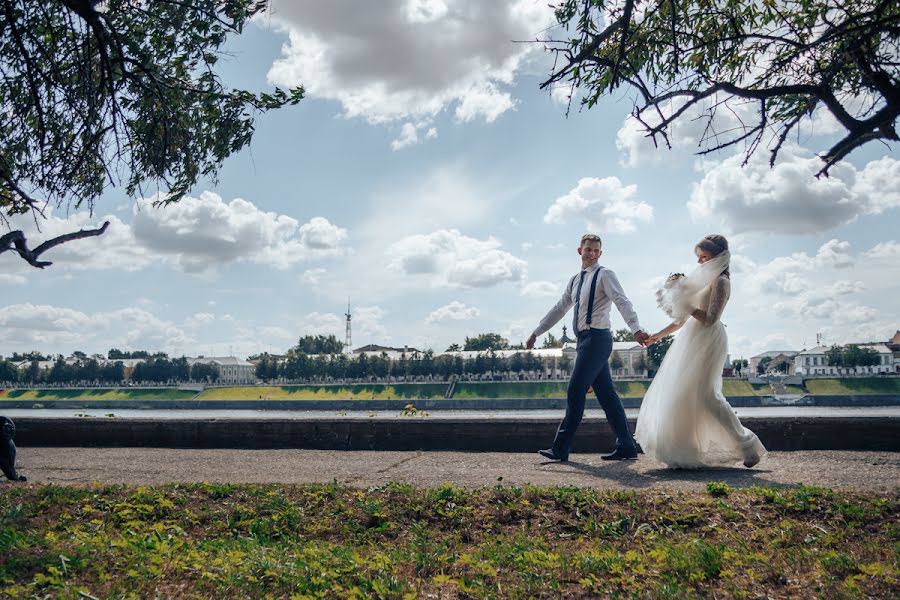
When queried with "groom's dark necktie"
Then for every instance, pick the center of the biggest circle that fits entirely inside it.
(577, 303)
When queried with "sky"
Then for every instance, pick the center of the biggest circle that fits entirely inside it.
(427, 180)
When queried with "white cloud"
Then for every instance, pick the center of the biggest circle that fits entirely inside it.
(368, 321)
(199, 320)
(425, 11)
(455, 311)
(890, 249)
(409, 134)
(29, 326)
(801, 294)
(517, 331)
(788, 274)
(845, 287)
(788, 198)
(202, 234)
(316, 323)
(408, 137)
(834, 253)
(313, 276)
(408, 59)
(448, 258)
(541, 289)
(603, 204)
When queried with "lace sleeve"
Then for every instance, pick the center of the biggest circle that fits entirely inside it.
(721, 290)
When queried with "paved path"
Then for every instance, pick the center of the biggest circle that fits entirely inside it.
(839, 470)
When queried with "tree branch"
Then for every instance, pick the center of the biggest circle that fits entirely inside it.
(15, 240)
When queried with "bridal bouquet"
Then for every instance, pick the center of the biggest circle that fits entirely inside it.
(671, 299)
(680, 294)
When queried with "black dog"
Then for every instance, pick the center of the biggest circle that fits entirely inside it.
(8, 451)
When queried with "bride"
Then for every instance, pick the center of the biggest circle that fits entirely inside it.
(684, 419)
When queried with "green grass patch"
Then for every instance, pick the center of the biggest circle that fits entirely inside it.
(538, 389)
(862, 385)
(99, 394)
(403, 391)
(398, 541)
(795, 389)
(738, 387)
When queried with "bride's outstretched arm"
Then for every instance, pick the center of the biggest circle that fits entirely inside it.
(669, 329)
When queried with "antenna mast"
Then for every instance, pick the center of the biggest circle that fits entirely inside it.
(348, 343)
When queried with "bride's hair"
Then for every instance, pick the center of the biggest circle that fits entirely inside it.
(715, 244)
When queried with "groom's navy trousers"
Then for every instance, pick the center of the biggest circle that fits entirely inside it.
(592, 370)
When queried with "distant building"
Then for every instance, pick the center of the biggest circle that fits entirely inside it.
(230, 369)
(392, 353)
(815, 362)
(776, 358)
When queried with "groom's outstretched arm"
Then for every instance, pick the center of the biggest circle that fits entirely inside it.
(614, 291)
(557, 312)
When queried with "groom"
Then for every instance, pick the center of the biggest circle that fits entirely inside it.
(592, 291)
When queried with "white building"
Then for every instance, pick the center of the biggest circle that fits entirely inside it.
(230, 369)
(391, 353)
(815, 362)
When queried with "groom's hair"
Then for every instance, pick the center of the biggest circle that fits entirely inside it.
(591, 237)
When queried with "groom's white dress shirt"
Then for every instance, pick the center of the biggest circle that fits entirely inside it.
(608, 291)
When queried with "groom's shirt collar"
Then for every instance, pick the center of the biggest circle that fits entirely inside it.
(592, 268)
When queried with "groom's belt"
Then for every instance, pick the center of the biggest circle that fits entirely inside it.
(585, 332)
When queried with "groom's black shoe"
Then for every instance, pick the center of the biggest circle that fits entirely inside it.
(620, 454)
(549, 453)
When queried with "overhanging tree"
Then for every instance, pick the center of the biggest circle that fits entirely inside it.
(116, 93)
(785, 58)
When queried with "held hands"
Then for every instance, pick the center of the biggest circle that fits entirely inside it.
(642, 338)
(653, 339)
(529, 343)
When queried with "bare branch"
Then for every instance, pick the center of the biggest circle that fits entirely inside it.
(15, 240)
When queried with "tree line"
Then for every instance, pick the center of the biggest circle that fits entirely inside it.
(320, 357)
(313, 358)
(300, 366)
(852, 356)
(156, 369)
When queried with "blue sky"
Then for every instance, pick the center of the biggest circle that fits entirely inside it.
(429, 180)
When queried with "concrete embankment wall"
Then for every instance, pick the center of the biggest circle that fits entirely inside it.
(439, 404)
(416, 433)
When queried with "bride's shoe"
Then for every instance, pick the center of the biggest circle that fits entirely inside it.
(751, 462)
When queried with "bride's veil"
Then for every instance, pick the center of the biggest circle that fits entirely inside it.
(679, 297)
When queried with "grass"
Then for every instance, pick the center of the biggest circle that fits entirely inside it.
(97, 394)
(795, 389)
(741, 387)
(416, 391)
(396, 541)
(538, 389)
(862, 385)
(405, 391)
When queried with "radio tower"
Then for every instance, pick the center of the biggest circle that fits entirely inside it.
(347, 337)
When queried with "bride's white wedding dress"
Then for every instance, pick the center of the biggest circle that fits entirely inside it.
(684, 419)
